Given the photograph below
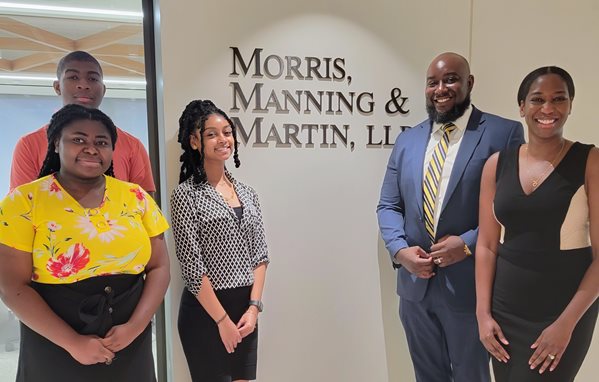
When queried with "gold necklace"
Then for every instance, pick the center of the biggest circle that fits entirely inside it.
(231, 195)
(535, 182)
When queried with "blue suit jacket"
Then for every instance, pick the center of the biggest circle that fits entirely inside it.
(399, 211)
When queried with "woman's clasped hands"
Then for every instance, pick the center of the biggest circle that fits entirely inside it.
(548, 347)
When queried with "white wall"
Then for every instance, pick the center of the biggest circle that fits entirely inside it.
(331, 308)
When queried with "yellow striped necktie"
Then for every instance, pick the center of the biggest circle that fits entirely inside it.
(432, 178)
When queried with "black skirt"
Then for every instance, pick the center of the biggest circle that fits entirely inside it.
(91, 306)
(206, 355)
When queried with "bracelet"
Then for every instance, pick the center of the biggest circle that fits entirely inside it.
(221, 319)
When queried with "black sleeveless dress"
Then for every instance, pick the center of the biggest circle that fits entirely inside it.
(543, 256)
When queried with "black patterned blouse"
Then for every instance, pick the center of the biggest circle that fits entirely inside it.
(210, 239)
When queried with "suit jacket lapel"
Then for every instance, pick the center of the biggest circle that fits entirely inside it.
(470, 140)
(416, 157)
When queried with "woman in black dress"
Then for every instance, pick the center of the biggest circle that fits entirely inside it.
(220, 244)
(537, 267)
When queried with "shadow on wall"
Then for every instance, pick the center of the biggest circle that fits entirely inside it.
(399, 365)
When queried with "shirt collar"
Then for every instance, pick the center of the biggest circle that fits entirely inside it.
(460, 123)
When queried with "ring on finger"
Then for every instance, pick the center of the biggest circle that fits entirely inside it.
(551, 356)
(437, 260)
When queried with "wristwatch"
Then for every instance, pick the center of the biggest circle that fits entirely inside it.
(467, 250)
(258, 304)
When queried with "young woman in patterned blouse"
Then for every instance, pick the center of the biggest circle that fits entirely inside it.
(84, 263)
(220, 244)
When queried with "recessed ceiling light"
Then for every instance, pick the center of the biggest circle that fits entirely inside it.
(107, 81)
(51, 10)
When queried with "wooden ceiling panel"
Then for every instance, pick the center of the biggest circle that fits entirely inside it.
(5, 65)
(107, 37)
(128, 50)
(113, 71)
(18, 43)
(35, 34)
(33, 60)
(49, 69)
(123, 63)
(36, 44)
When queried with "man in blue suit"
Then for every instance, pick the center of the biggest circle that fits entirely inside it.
(428, 217)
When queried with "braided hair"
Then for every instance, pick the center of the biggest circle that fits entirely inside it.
(63, 118)
(194, 118)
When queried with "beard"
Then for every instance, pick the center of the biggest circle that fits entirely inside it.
(449, 116)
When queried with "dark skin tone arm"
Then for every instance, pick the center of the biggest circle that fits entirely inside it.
(490, 333)
(32, 310)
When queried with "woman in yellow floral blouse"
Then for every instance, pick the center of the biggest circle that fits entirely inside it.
(83, 260)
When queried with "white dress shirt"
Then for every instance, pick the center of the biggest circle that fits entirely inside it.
(455, 140)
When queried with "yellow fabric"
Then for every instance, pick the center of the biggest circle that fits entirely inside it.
(432, 176)
(70, 243)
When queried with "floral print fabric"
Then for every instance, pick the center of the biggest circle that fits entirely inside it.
(68, 242)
